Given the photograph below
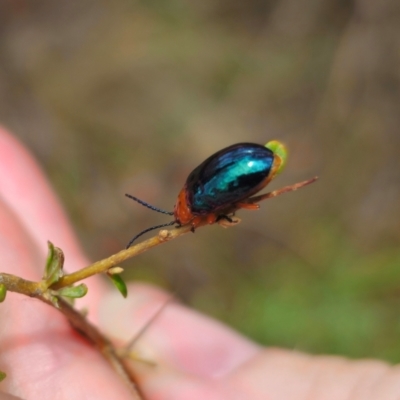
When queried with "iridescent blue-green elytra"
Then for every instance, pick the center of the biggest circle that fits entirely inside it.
(227, 177)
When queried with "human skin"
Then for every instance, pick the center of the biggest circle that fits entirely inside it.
(196, 357)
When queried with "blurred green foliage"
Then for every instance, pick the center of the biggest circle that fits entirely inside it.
(130, 96)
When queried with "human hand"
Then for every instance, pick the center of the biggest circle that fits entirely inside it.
(196, 357)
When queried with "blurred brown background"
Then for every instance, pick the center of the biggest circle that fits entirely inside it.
(130, 96)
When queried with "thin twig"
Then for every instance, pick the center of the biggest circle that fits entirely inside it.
(163, 236)
(18, 285)
(278, 192)
(128, 347)
(103, 265)
(81, 324)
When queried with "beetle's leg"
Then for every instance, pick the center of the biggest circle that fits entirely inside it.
(248, 206)
(195, 222)
(227, 221)
(222, 216)
(211, 218)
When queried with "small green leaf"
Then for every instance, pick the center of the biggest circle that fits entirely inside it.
(54, 265)
(74, 292)
(3, 292)
(120, 284)
(3, 376)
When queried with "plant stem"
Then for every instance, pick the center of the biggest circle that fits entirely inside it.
(163, 236)
(81, 324)
(16, 284)
(107, 263)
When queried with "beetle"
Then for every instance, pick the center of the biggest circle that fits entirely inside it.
(224, 183)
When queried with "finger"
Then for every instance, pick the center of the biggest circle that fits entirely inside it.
(6, 396)
(277, 375)
(39, 351)
(184, 339)
(314, 377)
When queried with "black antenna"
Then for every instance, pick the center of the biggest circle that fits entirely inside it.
(143, 203)
(148, 230)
